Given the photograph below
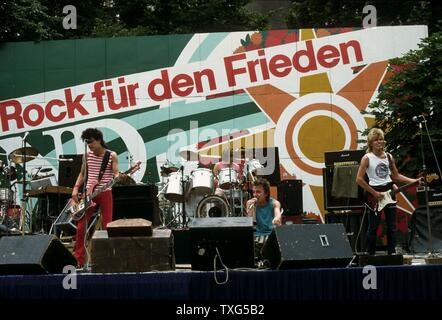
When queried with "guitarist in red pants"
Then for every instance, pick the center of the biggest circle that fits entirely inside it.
(382, 173)
(102, 168)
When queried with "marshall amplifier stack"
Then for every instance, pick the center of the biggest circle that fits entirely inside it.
(434, 197)
(341, 191)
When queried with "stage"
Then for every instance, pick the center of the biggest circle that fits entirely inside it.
(405, 282)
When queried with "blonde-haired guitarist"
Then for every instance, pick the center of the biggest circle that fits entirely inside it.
(382, 173)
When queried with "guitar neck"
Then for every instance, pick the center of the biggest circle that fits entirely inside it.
(403, 187)
(110, 183)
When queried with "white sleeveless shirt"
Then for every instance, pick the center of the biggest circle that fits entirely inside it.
(378, 170)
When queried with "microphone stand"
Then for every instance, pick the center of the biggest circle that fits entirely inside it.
(86, 205)
(184, 197)
(24, 195)
(427, 206)
(232, 204)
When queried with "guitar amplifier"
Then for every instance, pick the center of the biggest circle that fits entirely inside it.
(343, 157)
(434, 197)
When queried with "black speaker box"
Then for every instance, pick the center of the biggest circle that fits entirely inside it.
(230, 240)
(33, 254)
(290, 196)
(136, 201)
(419, 242)
(333, 203)
(343, 157)
(355, 225)
(308, 245)
(68, 170)
(434, 197)
(182, 246)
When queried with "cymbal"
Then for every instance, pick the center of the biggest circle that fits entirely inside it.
(165, 171)
(17, 156)
(45, 170)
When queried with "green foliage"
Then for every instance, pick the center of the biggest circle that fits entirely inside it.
(348, 13)
(414, 89)
(26, 20)
(188, 16)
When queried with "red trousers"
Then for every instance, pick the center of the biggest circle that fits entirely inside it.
(104, 200)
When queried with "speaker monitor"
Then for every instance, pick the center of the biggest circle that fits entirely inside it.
(33, 254)
(308, 245)
(229, 240)
(136, 201)
(68, 170)
(290, 196)
(419, 230)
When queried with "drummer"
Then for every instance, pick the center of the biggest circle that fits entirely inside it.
(227, 161)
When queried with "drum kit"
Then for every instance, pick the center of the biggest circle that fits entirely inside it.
(202, 194)
(10, 211)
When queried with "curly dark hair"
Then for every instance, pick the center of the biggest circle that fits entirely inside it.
(265, 185)
(93, 133)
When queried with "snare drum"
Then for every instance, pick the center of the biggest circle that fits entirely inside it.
(202, 181)
(227, 178)
(174, 191)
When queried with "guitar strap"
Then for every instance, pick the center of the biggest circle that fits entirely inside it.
(104, 164)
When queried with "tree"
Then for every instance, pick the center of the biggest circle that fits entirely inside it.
(26, 20)
(413, 90)
(188, 16)
(349, 13)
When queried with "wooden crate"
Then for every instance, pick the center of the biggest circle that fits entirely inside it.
(133, 254)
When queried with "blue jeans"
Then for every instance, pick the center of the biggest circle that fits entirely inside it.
(373, 224)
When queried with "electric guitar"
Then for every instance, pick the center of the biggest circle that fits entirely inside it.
(77, 210)
(387, 198)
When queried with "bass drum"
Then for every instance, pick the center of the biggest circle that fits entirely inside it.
(212, 207)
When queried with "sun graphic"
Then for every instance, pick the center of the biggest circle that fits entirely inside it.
(320, 119)
(315, 117)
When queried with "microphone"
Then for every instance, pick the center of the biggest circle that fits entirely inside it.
(417, 118)
(252, 205)
(26, 134)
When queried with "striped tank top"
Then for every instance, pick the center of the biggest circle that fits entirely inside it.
(94, 166)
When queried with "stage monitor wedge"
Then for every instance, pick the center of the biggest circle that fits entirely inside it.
(34, 254)
(308, 245)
